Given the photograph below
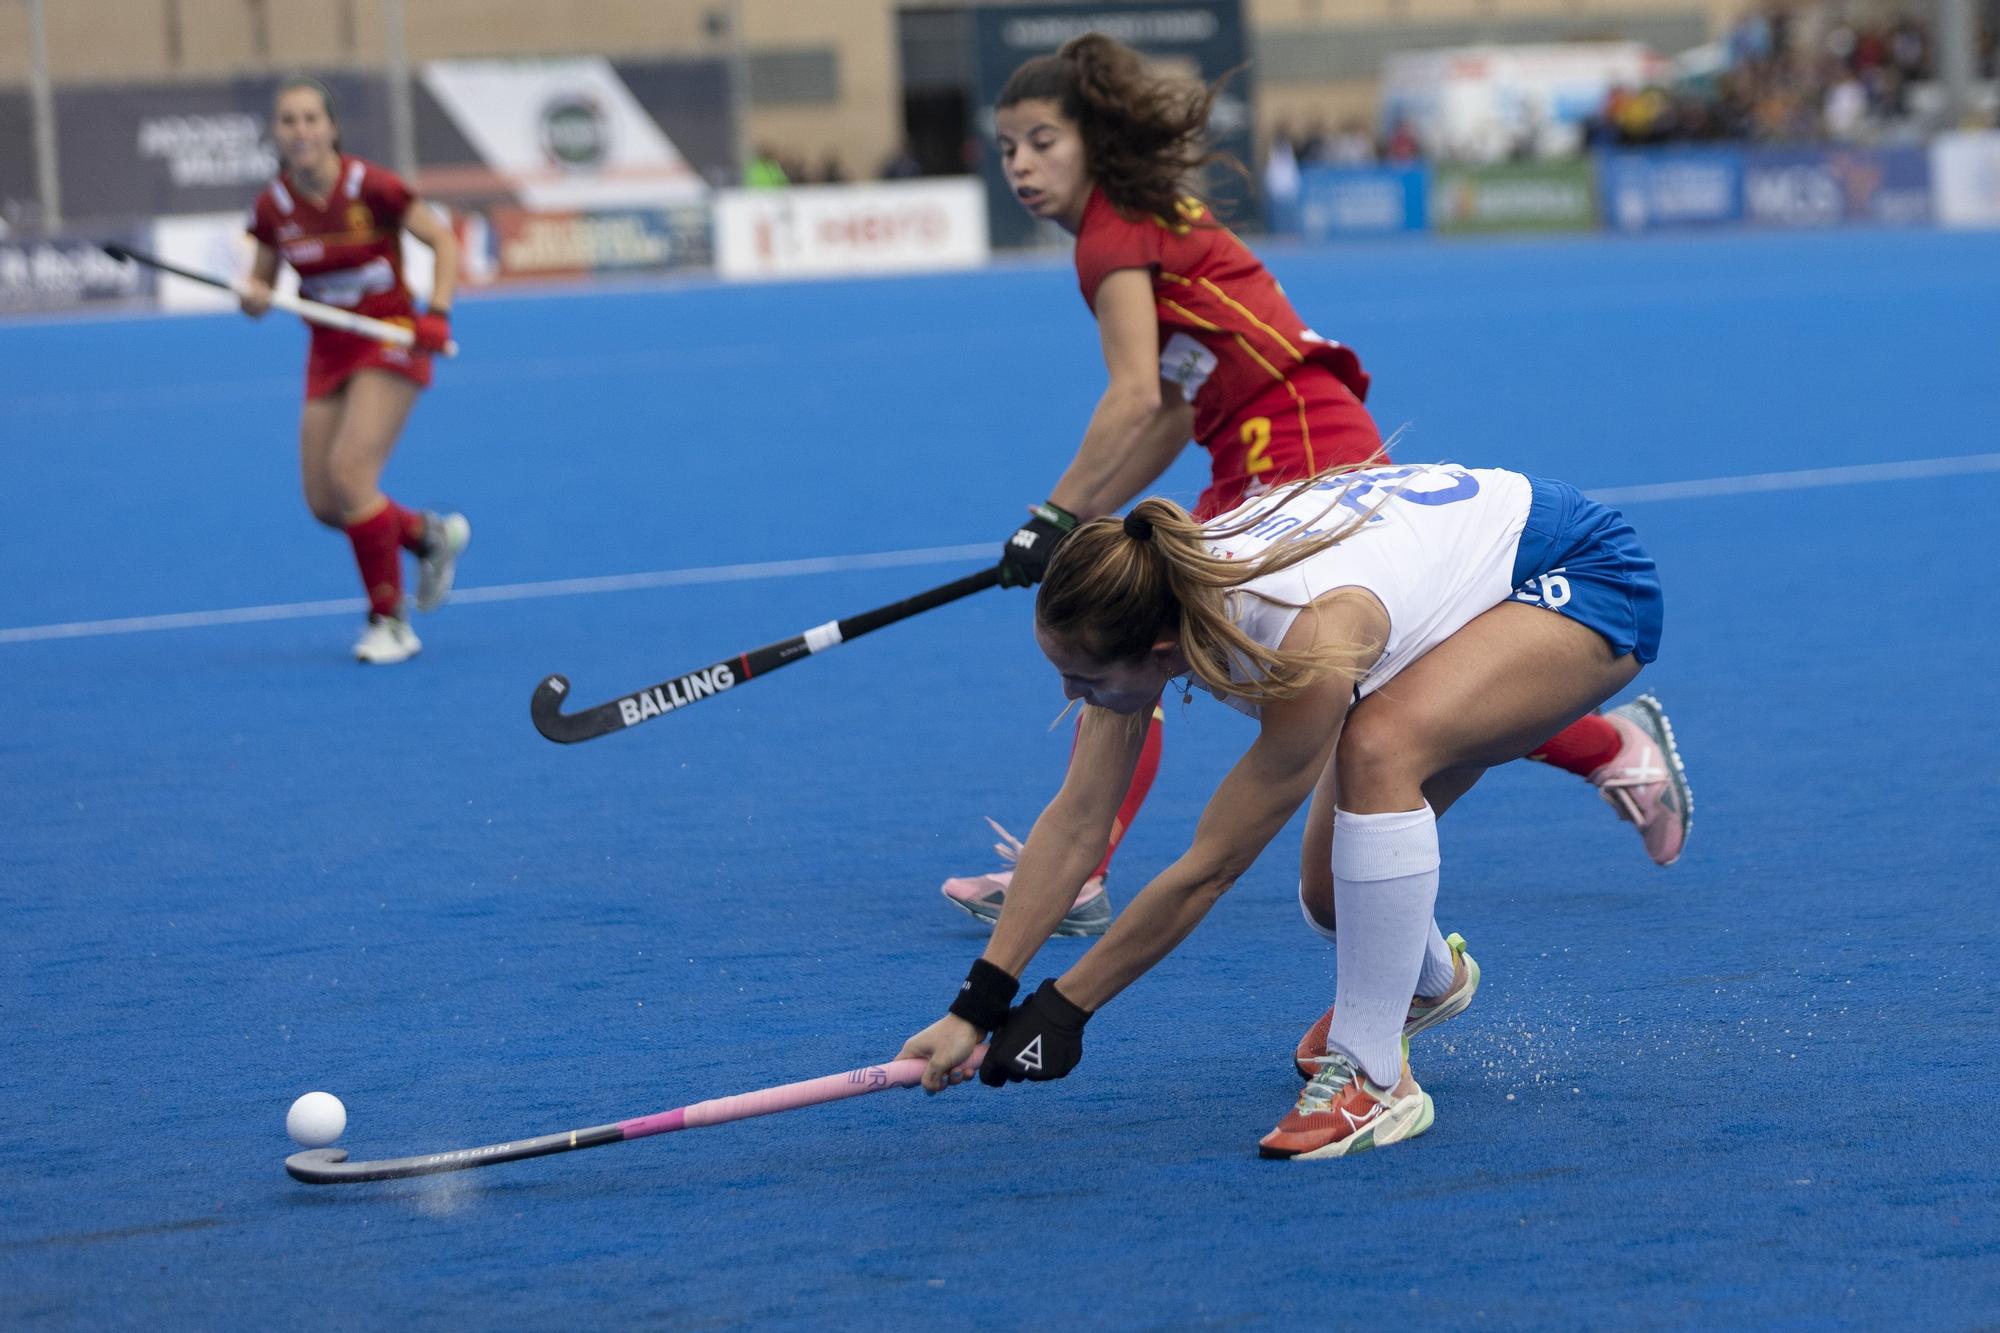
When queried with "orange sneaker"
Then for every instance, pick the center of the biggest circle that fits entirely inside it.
(1423, 1013)
(1341, 1113)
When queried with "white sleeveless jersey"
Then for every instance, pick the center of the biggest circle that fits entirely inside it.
(1437, 550)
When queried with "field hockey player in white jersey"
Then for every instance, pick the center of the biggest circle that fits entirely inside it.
(1395, 632)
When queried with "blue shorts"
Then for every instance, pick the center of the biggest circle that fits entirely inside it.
(1583, 560)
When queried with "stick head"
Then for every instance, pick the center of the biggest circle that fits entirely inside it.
(116, 251)
(310, 1166)
(546, 709)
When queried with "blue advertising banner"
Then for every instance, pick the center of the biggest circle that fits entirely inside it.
(1671, 187)
(1361, 201)
(1826, 187)
(516, 243)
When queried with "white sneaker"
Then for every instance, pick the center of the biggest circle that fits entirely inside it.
(387, 640)
(447, 535)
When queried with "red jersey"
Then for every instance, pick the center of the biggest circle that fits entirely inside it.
(1273, 400)
(348, 250)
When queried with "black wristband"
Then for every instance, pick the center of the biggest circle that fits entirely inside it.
(983, 997)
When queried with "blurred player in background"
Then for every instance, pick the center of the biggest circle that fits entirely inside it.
(340, 221)
(1300, 609)
(1202, 344)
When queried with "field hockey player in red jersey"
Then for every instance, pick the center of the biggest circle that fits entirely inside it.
(1201, 343)
(340, 221)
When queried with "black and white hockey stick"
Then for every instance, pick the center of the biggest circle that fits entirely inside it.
(680, 691)
(313, 312)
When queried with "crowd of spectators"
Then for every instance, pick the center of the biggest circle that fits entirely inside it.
(1790, 73)
(1354, 144)
(769, 168)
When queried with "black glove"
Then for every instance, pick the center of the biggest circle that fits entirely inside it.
(1041, 1039)
(1024, 558)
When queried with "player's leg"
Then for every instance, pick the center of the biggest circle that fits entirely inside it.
(375, 406)
(1484, 696)
(1449, 978)
(318, 423)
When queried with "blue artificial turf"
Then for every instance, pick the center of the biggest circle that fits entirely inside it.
(1754, 1089)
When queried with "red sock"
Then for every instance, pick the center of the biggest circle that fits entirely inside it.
(376, 540)
(1582, 747)
(410, 528)
(1135, 795)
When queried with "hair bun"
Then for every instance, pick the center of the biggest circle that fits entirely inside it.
(1138, 527)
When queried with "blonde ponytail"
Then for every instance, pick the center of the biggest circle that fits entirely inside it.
(1117, 587)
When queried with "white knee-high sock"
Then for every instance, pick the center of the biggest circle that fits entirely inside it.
(1440, 968)
(1385, 879)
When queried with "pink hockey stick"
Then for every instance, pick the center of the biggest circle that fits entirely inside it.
(329, 1166)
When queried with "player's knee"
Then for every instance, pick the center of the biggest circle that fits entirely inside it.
(1316, 898)
(1379, 755)
(347, 489)
(325, 507)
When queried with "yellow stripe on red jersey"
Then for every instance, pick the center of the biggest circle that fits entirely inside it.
(1227, 332)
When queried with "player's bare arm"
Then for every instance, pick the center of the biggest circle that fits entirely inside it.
(255, 297)
(1262, 791)
(428, 225)
(1132, 405)
(1159, 443)
(1059, 854)
(1069, 836)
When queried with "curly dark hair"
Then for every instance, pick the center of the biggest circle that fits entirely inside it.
(1144, 133)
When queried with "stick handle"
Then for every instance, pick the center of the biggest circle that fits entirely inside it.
(788, 1097)
(333, 317)
(313, 312)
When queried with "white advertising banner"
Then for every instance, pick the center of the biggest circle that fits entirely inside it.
(216, 243)
(1965, 178)
(830, 230)
(563, 134)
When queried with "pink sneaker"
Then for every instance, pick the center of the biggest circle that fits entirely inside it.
(1645, 782)
(983, 896)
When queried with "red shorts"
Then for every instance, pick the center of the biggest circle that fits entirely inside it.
(1309, 422)
(335, 355)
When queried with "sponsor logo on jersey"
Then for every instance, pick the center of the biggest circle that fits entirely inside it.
(694, 686)
(1187, 362)
(344, 287)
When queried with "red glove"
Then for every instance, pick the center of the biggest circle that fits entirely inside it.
(433, 330)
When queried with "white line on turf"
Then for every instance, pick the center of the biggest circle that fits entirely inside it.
(1918, 469)
(507, 592)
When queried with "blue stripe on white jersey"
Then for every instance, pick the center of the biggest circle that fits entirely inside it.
(1435, 547)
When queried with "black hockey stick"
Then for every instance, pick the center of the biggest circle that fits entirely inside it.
(680, 691)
